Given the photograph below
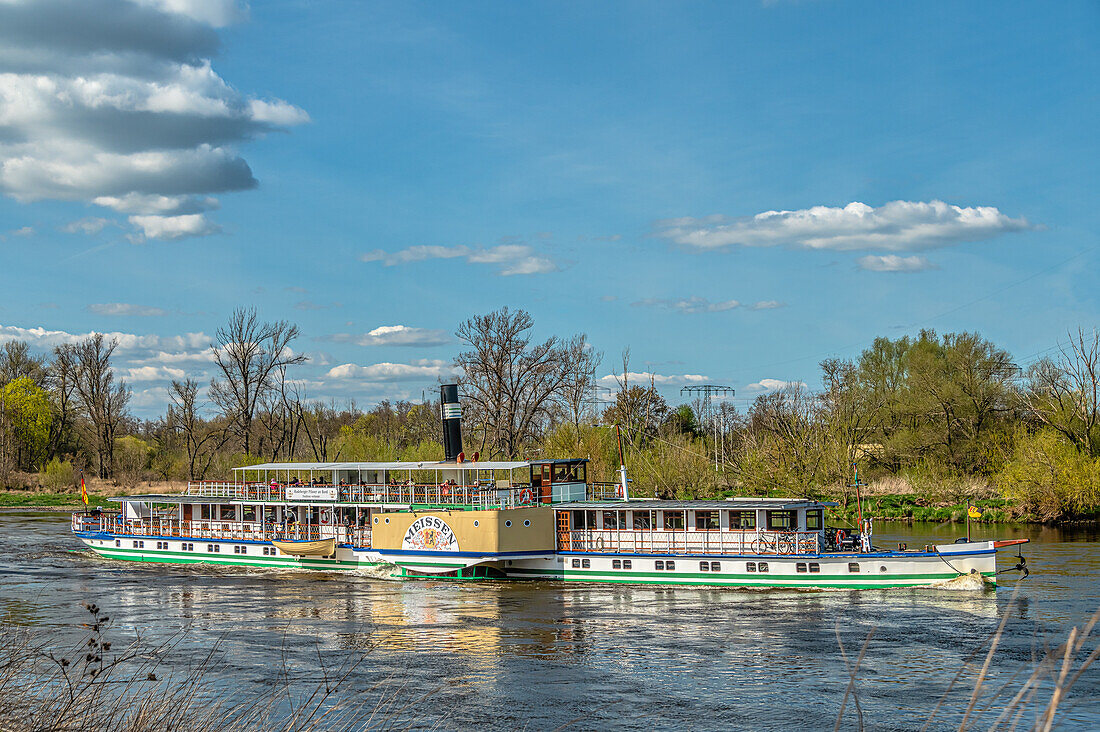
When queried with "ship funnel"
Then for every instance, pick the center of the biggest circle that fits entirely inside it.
(452, 422)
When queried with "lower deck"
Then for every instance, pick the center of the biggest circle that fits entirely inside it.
(810, 571)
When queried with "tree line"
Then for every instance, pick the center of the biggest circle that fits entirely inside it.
(943, 415)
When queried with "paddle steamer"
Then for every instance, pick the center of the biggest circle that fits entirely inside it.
(534, 519)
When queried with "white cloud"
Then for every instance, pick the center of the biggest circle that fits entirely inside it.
(24, 231)
(153, 373)
(896, 226)
(393, 335)
(510, 259)
(218, 13)
(43, 338)
(767, 305)
(127, 309)
(689, 305)
(765, 385)
(894, 263)
(115, 102)
(89, 225)
(417, 370)
(172, 227)
(644, 378)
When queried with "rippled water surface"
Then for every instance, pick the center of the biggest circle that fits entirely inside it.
(549, 655)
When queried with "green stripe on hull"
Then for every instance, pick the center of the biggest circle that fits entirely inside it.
(171, 557)
(740, 580)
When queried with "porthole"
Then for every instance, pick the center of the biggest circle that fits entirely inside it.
(670, 564)
(387, 521)
(477, 523)
(761, 566)
(576, 563)
(882, 568)
(800, 567)
(715, 566)
(507, 523)
(375, 519)
(814, 567)
(853, 566)
(527, 522)
(585, 564)
(750, 566)
(659, 564)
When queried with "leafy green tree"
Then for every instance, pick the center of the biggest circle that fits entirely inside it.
(27, 415)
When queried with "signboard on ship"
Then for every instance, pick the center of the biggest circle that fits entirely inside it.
(311, 493)
(430, 533)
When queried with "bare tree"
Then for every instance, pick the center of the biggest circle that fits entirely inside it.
(101, 398)
(577, 391)
(1065, 394)
(16, 361)
(201, 440)
(252, 356)
(511, 383)
(61, 377)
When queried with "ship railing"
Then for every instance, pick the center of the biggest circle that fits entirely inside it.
(689, 542)
(358, 536)
(478, 495)
(602, 491)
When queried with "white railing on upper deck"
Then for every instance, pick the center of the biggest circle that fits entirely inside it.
(477, 496)
(170, 527)
(690, 542)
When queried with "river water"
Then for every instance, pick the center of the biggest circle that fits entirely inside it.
(543, 656)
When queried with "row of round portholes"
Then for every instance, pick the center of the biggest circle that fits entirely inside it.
(508, 523)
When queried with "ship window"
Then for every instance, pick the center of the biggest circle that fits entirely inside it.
(210, 548)
(800, 567)
(814, 520)
(614, 520)
(616, 564)
(476, 522)
(853, 566)
(375, 519)
(706, 521)
(576, 563)
(814, 567)
(659, 564)
(704, 566)
(508, 523)
(750, 566)
(585, 564)
(762, 566)
(674, 520)
(627, 564)
(643, 520)
(135, 545)
(882, 568)
(118, 542)
(527, 522)
(670, 564)
(715, 566)
(742, 519)
(781, 520)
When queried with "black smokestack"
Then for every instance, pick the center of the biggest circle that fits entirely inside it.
(452, 421)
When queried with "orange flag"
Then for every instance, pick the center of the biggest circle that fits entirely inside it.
(83, 490)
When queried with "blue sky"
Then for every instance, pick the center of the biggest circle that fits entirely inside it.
(378, 172)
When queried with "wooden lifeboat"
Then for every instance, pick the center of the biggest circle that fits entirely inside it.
(308, 548)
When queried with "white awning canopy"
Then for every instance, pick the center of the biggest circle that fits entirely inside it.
(387, 466)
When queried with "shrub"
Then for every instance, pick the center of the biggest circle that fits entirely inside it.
(57, 476)
(1049, 478)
